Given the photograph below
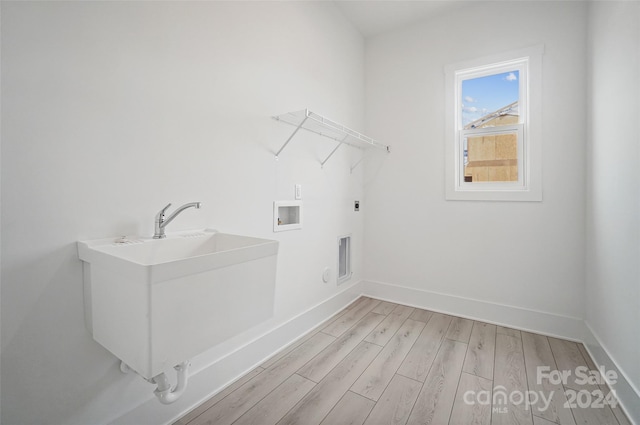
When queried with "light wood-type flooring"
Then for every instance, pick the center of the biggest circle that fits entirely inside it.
(381, 363)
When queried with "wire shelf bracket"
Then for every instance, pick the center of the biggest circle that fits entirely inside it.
(316, 123)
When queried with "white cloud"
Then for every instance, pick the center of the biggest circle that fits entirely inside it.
(511, 77)
(471, 109)
(469, 99)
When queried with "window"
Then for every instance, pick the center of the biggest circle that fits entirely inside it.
(493, 121)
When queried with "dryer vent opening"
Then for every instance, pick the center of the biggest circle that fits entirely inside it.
(344, 259)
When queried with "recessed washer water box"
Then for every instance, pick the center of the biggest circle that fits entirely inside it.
(287, 215)
(158, 302)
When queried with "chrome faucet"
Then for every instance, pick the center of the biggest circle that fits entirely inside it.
(161, 221)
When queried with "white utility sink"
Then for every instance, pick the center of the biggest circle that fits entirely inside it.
(157, 302)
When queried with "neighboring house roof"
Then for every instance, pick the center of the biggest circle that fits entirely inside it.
(511, 109)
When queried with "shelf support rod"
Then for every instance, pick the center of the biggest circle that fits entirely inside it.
(354, 166)
(333, 151)
(292, 134)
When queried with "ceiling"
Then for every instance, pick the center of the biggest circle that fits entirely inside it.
(372, 17)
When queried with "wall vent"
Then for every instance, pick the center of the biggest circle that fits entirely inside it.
(344, 258)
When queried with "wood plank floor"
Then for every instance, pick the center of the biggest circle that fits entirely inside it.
(380, 363)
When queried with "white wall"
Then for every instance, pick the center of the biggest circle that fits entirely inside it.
(613, 191)
(110, 111)
(524, 254)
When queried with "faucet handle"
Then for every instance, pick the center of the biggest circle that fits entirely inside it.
(160, 214)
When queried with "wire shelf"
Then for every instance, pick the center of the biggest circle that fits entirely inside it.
(316, 123)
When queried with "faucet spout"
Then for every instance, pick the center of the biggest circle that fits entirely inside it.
(161, 222)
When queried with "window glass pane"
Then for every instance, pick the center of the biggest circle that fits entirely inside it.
(491, 157)
(490, 101)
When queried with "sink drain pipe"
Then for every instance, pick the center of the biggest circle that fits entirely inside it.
(164, 392)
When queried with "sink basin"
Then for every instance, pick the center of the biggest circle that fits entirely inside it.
(178, 254)
(157, 302)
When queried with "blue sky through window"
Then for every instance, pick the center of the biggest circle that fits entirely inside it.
(483, 95)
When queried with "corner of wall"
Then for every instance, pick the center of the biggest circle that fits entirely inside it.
(625, 391)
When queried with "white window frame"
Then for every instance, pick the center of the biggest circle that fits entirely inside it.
(529, 185)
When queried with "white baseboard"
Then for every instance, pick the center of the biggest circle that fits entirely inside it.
(234, 364)
(566, 327)
(626, 392)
